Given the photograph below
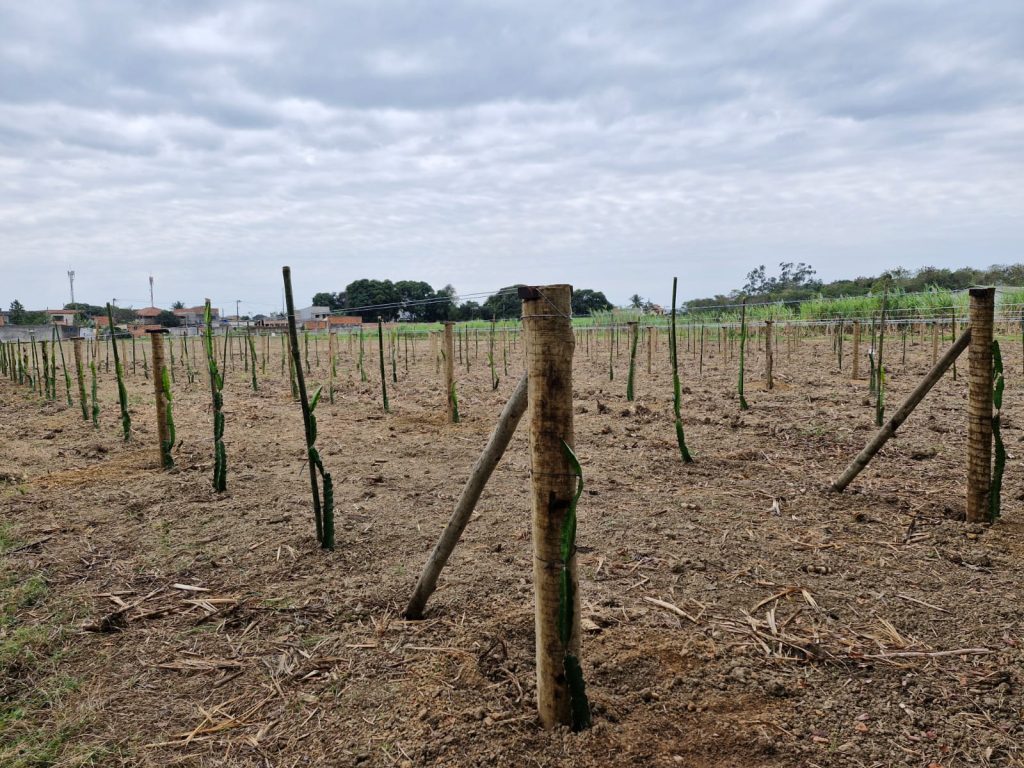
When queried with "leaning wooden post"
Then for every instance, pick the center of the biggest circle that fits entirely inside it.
(856, 348)
(979, 405)
(549, 351)
(500, 438)
(912, 401)
(769, 383)
(448, 352)
(159, 374)
(80, 374)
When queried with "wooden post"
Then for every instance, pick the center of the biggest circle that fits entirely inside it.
(449, 371)
(768, 382)
(935, 341)
(856, 348)
(162, 429)
(979, 405)
(912, 401)
(549, 350)
(496, 445)
(80, 374)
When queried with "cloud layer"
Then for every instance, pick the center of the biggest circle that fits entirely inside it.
(611, 145)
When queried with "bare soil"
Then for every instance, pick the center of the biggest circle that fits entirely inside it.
(149, 621)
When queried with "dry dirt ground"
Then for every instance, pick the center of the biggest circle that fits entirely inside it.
(150, 621)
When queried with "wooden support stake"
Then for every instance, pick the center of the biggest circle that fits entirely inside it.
(912, 401)
(935, 341)
(496, 445)
(769, 383)
(979, 405)
(549, 350)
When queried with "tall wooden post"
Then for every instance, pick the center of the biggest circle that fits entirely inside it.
(979, 405)
(449, 371)
(856, 348)
(769, 383)
(549, 351)
(162, 429)
(80, 375)
(935, 341)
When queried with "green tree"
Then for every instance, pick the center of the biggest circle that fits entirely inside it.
(336, 301)
(586, 301)
(167, 319)
(365, 297)
(17, 313)
(504, 304)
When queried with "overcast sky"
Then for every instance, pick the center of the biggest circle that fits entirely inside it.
(611, 145)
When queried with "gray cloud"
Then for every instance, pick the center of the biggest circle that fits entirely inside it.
(611, 145)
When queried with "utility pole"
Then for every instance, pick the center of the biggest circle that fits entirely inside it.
(151, 291)
(71, 279)
(237, 316)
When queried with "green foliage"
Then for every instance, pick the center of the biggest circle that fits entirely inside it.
(327, 502)
(586, 301)
(18, 315)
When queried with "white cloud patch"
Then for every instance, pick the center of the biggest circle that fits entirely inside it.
(611, 146)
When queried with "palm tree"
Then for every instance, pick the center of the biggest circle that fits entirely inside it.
(636, 301)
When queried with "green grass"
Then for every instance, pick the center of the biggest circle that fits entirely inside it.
(38, 726)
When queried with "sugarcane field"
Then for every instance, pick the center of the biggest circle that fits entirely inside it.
(217, 547)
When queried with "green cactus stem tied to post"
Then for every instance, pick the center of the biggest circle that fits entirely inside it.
(743, 349)
(634, 331)
(168, 445)
(122, 393)
(999, 457)
(95, 400)
(578, 704)
(323, 506)
(220, 459)
(677, 390)
(383, 374)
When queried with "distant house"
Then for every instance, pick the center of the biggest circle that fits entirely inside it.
(196, 315)
(64, 317)
(272, 323)
(138, 330)
(312, 313)
(333, 322)
(148, 313)
(3, 318)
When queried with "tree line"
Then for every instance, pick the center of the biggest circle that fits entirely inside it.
(798, 282)
(418, 301)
